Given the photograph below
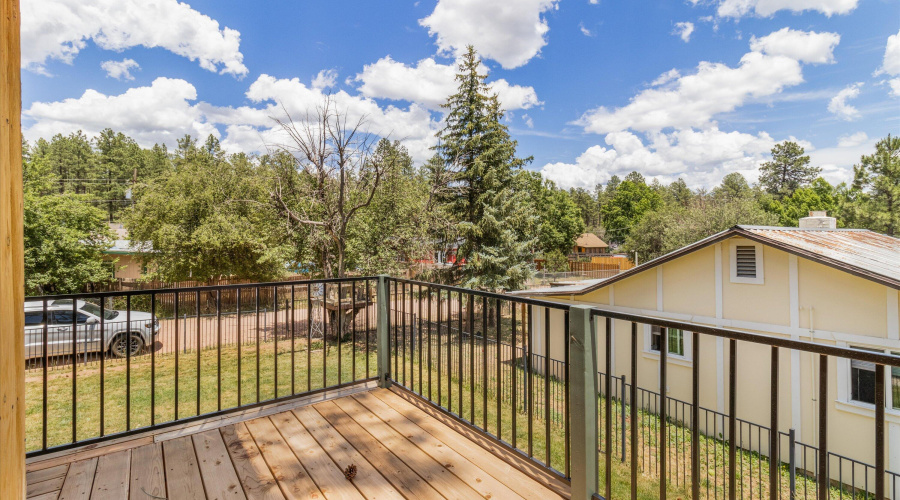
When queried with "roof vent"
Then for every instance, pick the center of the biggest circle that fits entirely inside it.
(818, 219)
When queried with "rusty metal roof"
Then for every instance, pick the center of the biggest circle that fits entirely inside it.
(857, 249)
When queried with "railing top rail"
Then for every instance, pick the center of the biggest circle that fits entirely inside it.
(206, 288)
(756, 338)
(491, 295)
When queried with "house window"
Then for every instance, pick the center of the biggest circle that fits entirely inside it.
(895, 385)
(862, 382)
(746, 262)
(675, 342)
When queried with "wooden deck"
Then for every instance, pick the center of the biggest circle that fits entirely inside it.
(402, 448)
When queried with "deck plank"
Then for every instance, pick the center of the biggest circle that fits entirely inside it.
(53, 495)
(291, 475)
(79, 480)
(368, 480)
(219, 477)
(183, 479)
(532, 470)
(113, 476)
(524, 484)
(252, 471)
(410, 484)
(43, 487)
(432, 471)
(148, 475)
(327, 475)
(46, 474)
(464, 468)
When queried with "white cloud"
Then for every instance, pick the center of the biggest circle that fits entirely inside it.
(701, 157)
(838, 104)
(161, 112)
(804, 46)
(684, 30)
(528, 121)
(584, 30)
(665, 78)
(165, 111)
(511, 32)
(891, 64)
(765, 8)
(430, 83)
(694, 100)
(59, 29)
(120, 70)
(851, 140)
(325, 79)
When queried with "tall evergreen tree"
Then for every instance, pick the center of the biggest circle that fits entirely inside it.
(477, 186)
(878, 178)
(788, 170)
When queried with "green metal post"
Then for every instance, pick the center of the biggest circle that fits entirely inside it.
(381, 334)
(583, 406)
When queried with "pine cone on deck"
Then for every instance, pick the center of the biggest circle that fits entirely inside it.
(350, 472)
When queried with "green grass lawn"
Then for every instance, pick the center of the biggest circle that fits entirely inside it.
(59, 422)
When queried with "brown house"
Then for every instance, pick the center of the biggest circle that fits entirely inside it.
(589, 244)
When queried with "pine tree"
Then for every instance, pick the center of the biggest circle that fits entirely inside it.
(877, 177)
(476, 186)
(788, 170)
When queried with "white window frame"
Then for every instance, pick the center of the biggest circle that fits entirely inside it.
(845, 380)
(760, 275)
(650, 353)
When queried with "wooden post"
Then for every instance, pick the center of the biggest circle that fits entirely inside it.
(12, 273)
(583, 402)
(382, 337)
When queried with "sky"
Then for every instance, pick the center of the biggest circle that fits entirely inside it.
(694, 89)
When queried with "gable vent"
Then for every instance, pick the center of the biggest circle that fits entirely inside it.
(746, 261)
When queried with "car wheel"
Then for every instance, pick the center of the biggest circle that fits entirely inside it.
(121, 345)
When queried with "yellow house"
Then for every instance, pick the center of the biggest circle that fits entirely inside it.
(813, 283)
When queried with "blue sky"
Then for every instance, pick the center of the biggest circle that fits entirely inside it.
(693, 89)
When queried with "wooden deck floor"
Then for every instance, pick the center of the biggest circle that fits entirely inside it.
(401, 447)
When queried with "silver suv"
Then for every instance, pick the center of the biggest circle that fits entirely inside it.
(118, 337)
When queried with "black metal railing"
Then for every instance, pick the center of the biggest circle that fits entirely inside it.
(741, 459)
(102, 365)
(471, 354)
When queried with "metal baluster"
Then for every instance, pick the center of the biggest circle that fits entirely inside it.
(774, 462)
(732, 409)
(421, 355)
(663, 409)
(102, 365)
(634, 407)
(566, 355)
(324, 335)
(879, 432)
(529, 386)
(608, 405)
(353, 329)
(293, 342)
(695, 416)
(498, 345)
(367, 327)
(176, 357)
(275, 336)
(471, 305)
(460, 366)
(309, 320)
(439, 317)
(513, 370)
(822, 483)
(547, 386)
(218, 350)
(256, 297)
(74, 370)
(429, 342)
(152, 362)
(197, 307)
(44, 360)
(239, 350)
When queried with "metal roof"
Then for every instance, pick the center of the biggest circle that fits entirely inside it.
(857, 248)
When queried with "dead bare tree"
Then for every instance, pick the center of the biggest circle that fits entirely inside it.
(332, 175)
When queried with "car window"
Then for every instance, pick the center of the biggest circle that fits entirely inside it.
(34, 318)
(95, 310)
(65, 318)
